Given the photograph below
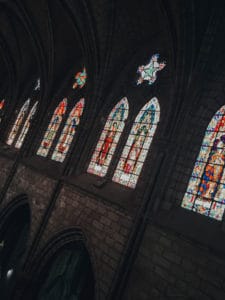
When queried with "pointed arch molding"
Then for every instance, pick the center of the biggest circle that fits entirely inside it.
(18, 10)
(61, 239)
(10, 65)
(15, 203)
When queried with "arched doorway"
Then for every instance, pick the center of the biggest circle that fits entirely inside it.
(14, 232)
(67, 275)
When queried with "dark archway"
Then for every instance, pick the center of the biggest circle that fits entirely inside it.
(14, 232)
(67, 275)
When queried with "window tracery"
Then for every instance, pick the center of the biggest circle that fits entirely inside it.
(206, 189)
(18, 123)
(2, 104)
(52, 128)
(137, 145)
(26, 126)
(68, 132)
(109, 138)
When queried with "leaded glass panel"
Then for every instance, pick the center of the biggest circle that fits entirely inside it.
(206, 189)
(18, 123)
(52, 128)
(68, 132)
(109, 138)
(137, 145)
(26, 126)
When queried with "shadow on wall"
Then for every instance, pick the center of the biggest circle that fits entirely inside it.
(14, 233)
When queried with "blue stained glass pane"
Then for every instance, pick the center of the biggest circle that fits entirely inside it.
(137, 146)
(206, 189)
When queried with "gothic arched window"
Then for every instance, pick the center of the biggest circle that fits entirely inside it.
(137, 145)
(26, 126)
(109, 138)
(206, 189)
(2, 104)
(68, 132)
(52, 128)
(18, 123)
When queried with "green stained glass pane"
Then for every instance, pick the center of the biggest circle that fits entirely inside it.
(137, 146)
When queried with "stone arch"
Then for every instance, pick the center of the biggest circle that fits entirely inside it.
(64, 269)
(14, 233)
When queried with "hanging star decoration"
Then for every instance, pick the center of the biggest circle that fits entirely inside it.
(149, 71)
(80, 79)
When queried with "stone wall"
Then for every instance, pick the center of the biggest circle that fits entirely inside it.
(5, 165)
(38, 189)
(169, 266)
(105, 228)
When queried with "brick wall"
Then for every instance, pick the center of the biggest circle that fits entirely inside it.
(5, 165)
(37, 187)
(106, 230)
(169, 266)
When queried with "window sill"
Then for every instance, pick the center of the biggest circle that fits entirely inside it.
(119, 196)
(49, 167)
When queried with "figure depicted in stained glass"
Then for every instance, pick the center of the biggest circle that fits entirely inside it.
(135, 150)
(105, 148)
(18, 123)
(26, 126)
(137, 145)
(109, 138)
(2, 104)
(149, 71)
(80, 78)
(52, 128)
(206, 190)
(213, 170)
(68, 133)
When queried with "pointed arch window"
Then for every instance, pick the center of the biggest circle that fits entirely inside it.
(26, 126)
(137, 145)
(206, 189)
(2, 104)
(68, 132)
(109, 138)
(52, 128)
(18, 123)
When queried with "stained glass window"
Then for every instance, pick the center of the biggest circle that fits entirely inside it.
(18, 123)
(2, 103)
(137, 145)
(68, 132)
(26, 126)
(52, 128)
(109, 138)
(206, 189)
